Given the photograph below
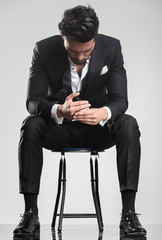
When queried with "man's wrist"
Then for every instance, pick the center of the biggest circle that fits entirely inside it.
(107, 109)
(104, 114)
(58, 111)
(109, 114)
(58, 119)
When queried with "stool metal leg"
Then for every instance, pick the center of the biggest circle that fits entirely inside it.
(63, 196)
(95, 192)
(58, 193)
(61, 186)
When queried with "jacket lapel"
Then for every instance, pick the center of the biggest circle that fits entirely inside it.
(96, 65)
(61, 63)
(62, 71)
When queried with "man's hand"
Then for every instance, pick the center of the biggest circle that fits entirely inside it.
(70, 108)
(91, 116)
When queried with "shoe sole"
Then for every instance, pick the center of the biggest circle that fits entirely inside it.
(35, 235)
(141, 236)
(26, 238)
(133, 238)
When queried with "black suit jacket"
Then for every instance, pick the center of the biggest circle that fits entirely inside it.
(49, 63)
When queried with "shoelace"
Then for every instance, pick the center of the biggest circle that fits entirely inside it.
(133, 217)
(25, 216)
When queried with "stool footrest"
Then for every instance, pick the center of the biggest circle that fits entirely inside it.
(79, 215)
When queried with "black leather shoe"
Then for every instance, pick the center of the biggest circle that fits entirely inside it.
(130, 226)
(28, 226)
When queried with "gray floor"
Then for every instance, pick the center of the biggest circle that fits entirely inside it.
(81, 232)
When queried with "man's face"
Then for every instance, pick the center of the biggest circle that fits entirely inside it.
(77, 51)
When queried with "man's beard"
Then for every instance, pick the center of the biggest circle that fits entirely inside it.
(78, 62)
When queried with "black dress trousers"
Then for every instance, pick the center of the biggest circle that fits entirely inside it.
(37, 134)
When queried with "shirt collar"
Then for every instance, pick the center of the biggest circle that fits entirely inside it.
(74, 66)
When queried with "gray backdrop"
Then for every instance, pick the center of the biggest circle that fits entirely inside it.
(138, 24)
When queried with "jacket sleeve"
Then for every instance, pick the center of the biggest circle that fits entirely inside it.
(117, 85)
(37, 93)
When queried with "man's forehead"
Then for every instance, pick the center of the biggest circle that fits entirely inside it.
(78, 47)
(87, 50)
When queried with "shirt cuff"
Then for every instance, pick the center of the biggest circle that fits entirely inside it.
(54, 114)
(102, 123)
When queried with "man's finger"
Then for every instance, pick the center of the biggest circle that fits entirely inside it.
(79, 103)
(72, 95)
(79, 108)
(85, 112)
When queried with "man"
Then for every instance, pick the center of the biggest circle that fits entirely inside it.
(77, 97)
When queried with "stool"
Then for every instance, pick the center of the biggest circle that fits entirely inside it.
(62, 187)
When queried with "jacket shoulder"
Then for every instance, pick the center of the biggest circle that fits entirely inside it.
(50, 40)
(107, 41)
(53, 43)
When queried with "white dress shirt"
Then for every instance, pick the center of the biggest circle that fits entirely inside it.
(76, 85)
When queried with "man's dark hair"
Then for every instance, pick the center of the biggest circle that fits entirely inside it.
(79, 23)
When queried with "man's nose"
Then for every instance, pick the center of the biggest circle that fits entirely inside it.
(80, 56)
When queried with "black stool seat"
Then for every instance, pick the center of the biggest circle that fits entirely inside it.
(62, 187)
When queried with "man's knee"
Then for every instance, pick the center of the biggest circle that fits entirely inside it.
(127, 124)
(32, 125)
